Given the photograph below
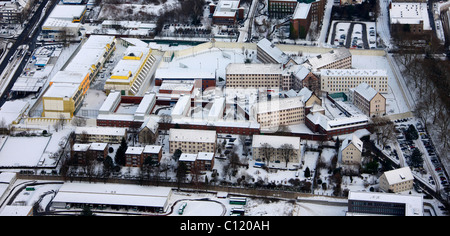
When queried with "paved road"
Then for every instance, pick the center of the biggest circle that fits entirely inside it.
(28, 37)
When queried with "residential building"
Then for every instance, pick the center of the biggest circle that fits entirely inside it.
(84, 153)
(99, 151)
(342, 80)
(339, 58)
(14, 12)
(154, 152)
(205, 161)
(149, 131)
(398, 180)
(189, 160)
(368, 100)
(79, 152)
(134, 157)
(100, 134)
(271, 115)
(273, 149)
(192, 141)
(351, 151)
(387, 204)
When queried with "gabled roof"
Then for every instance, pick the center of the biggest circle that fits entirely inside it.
(398, 175)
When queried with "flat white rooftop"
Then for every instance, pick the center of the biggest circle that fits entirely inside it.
(192, 135)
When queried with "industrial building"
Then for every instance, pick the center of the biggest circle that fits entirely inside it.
(69, 86)
(131, 71)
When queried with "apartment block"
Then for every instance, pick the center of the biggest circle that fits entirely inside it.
(100, 134)
(192, 141)
(368, 100)
(272, 147)
(342, 80)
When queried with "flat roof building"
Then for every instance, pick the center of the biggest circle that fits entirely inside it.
(388, 204)
(116, 196)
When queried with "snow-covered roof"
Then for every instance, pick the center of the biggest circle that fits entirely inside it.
(181, 105)
(278, 105)
(62, 90)
(7, 177)
(134, 150)
(111, 102)
(98, 146)
(301, 11)
(80, 147)
(153, 149)
(275, 141)
(147, 103)
(11, 111)
(338, 123)
(113, 131)
(188, 157)
(328, 58)
(414, 203)
(410, 13)
(113, 194)
(353, 72)
(226, 8)
(352, 139)
(398, 175)
(247, 68)
(216, 111)
(68, 12)
(366, 91)
(205, 156)
(75, 77)
(273, 51)
(192, 135)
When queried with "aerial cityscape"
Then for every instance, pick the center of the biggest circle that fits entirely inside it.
(224, 108)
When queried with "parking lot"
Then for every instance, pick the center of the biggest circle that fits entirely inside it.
(353, 35)
(431, 169)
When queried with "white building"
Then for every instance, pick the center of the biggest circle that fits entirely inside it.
(182, 107)
(63, 23)
(414, 14)
(388, 204)
(272, 147)
(398, 180)
(117, 196)
(342, 80)
(192, 141)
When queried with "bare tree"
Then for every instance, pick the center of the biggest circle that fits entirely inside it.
(287, 151)
(266, 151)
(165, 120)
(384, 130)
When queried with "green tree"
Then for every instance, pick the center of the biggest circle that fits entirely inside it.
(416, 158)
(307, 172)
(120, 154)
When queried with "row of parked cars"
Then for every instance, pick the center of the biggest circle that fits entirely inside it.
(408, 146)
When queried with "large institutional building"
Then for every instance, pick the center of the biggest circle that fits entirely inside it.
(342, 80)
(68, 87)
